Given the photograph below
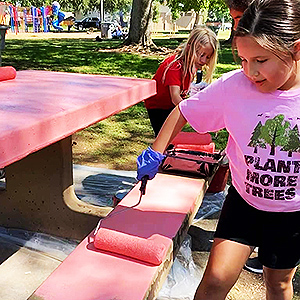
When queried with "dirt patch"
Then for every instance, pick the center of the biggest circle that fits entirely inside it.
(157, 51)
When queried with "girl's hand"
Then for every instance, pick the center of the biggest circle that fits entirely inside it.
(148, 163)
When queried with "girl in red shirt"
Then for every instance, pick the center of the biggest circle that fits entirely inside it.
(175, 74)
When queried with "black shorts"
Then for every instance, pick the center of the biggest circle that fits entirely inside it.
(277, 234)
(157, 118)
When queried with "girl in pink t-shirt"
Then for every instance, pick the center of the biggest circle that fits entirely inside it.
(260, 108)
(175, 74)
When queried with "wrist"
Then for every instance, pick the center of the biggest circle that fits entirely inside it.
(155, 153)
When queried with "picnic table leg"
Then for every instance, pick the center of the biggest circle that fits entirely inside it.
(39, 195)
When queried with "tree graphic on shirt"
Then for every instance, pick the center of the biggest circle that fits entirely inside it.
(276, 132)
(256, 141)
(293, 141)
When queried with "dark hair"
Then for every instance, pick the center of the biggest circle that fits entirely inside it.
(239, 5)
(274, 24)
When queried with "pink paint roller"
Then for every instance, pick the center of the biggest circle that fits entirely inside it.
(210, 148)
(7, 73)
(150, 250)
(192, 138)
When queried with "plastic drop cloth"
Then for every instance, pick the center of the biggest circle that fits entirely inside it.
(211, 204)
(55, 247)
(184, 276)
(98, 186)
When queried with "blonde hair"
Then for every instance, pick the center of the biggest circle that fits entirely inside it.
(187, 53)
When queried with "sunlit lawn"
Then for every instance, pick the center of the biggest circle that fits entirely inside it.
(116, 141)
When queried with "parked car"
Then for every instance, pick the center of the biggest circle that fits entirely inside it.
(87, 22)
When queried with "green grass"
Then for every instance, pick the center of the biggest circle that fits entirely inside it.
(76, 55)
(116, 141)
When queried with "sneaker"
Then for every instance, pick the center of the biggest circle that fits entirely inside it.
(254, 265)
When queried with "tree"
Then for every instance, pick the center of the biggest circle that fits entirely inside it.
(275, 132)
(219, 9)
(73, 5)
(293, 142)
(142, 11)
(139, 31)
(203, 9)
(110, 6)
(199, 6)
(256, 140)
(36, 3)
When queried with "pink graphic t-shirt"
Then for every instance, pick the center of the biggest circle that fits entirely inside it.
(264, 140)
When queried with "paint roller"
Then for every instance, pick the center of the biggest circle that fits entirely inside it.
(147, 250)
(7, 73)
(210, 148)
(150, 250)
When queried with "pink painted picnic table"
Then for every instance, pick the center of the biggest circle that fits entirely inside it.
(39, 112)
(39, 108)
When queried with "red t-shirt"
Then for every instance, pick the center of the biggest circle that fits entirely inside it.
(162, 100)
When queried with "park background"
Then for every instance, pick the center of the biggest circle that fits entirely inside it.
(114, 143)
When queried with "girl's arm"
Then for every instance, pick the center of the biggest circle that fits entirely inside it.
(169, 130)
(175, 94)
(149, 161)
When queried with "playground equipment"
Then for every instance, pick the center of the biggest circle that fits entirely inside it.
(58, 16)
(22, 19)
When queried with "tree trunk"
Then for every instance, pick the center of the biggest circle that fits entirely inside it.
(139, 31)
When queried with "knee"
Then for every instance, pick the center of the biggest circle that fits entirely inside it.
(277, 287)
(216, 283)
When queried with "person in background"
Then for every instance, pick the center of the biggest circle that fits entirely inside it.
(175, 74)
(236, 10)
(259, 105)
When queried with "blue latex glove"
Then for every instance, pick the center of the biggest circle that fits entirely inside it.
(148, 163)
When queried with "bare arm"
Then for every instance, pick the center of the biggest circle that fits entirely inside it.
(175, 94)
(170, 129)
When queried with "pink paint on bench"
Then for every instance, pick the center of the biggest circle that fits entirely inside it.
(89, 273)
(39, 108)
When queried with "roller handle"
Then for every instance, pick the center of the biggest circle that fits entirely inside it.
(143, 184)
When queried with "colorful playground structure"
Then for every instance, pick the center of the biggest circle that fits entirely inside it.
(31, 19)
